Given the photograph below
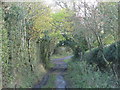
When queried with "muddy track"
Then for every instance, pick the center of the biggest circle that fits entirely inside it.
(59, 69)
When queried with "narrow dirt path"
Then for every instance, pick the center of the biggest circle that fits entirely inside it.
(59, 70)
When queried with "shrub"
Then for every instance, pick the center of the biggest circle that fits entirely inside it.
(110, 52)
(82, 75)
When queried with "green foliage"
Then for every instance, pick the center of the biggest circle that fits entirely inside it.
(62, 51)
(61, 16)
(108, 40)
(45, 51)
(13, 14)
(77, 44)
(1, 48)
(31, 33)
(51, 81)
(110, 52)
(19, 57)
(84, 76)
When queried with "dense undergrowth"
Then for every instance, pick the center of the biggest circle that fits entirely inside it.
(111, 55)
(82, 75)
(92, 71)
